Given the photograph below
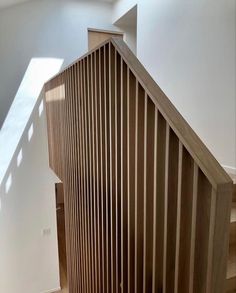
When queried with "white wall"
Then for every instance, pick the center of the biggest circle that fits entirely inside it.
(128, 24)
(29, 260)
(189, 49)
(47, 28)
(130, 37)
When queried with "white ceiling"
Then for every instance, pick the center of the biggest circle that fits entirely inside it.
(6, 3)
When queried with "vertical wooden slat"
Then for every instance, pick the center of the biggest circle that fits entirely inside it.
(167, 142)
(86, 216)
(98, 193)
(128, 177)
(74, 196)
(78, 187)
(107, 147)
(90, 187)
(131, 92)
(177, 248)
(202, 234)
(102, 164)
(84, 182)
(136, 188)
(73, 179)
(186, 218)
(139, 185)
(118, 169)
(112, 164)
(148, 212)
(80, 162)
(210, 241)
(172, 211)
(159, 222)
(110, 82)
(73, 183)
(124, 177)
(94, 196)
(145, 194)
(155, 203)
(116, 178)
(193, 227)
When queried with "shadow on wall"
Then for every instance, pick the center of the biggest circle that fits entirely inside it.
(128, 24)
(18, 156)
(38, 72)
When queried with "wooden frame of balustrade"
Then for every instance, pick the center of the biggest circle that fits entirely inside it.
(147, 205)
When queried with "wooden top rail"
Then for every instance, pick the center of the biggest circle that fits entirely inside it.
(200, 153)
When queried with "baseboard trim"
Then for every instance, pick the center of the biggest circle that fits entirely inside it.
(229, 169)
(52, 290)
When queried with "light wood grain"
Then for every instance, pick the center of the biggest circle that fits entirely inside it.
(97, 37)
(147, 206)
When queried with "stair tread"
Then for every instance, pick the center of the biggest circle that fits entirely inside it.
(231, 268)
(233, 177)
(231, 271)
(233, 213)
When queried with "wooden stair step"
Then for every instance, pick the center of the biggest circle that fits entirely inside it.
(233, 213)
(231, 270)
(231, 267)
(234, 193)
(233, 177)
(232, 235)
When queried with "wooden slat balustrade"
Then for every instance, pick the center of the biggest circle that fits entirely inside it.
(147, 206)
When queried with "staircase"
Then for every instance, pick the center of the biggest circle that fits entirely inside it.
(231, 269)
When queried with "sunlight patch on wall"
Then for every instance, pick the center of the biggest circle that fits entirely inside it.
(41, 107)
(30, 132)
(19, 158)
(37, 73)
(8, 183)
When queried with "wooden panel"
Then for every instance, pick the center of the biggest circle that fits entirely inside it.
(97, 37)
(147, 207)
